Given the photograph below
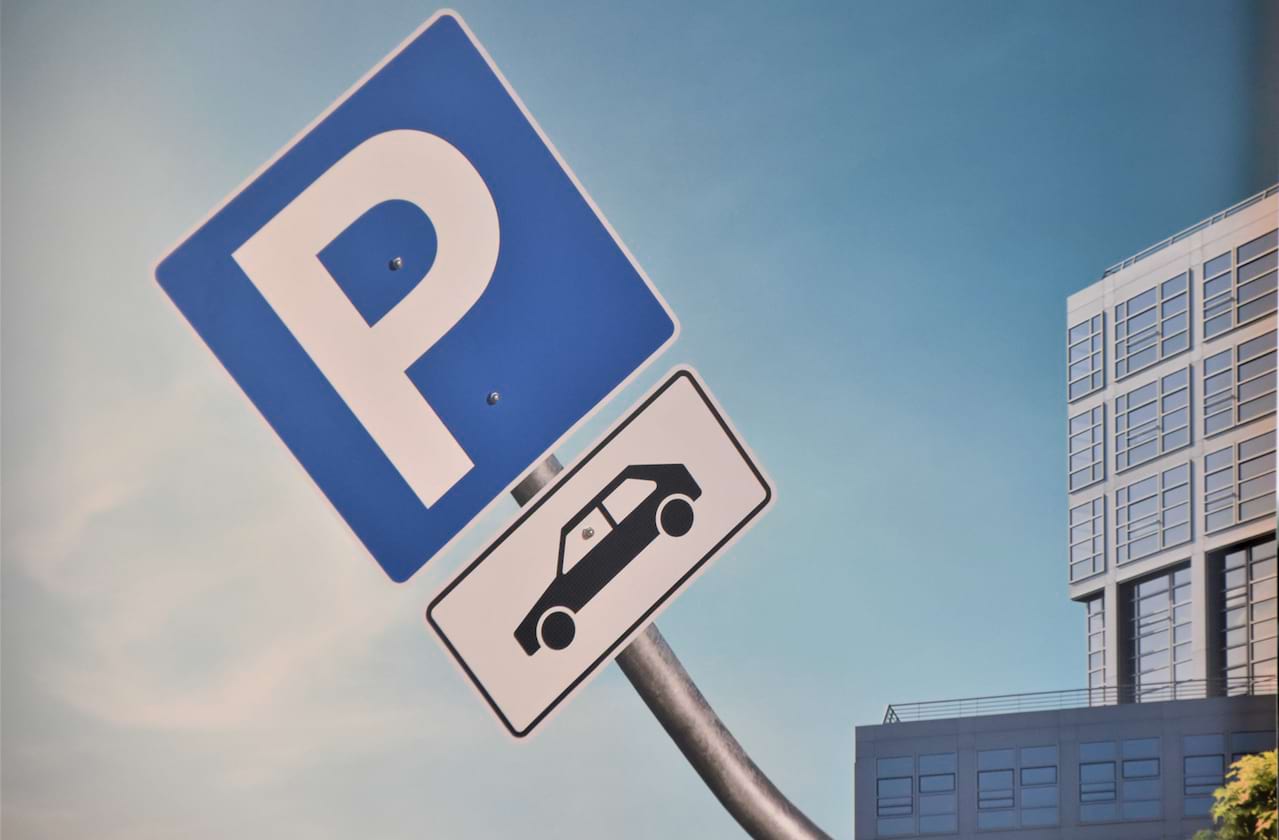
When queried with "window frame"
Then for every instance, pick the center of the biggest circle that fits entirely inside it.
(1096, 432)
(1254, 585)
(1226, 395)
(1096, 658)
(1095, 353)
(1218, 304)
(1153, 429)
(1096, 559)
(1146, 630)
(1197, 788)
(888, 806)
(1230, 496)
(1103, 790)
(1159, 331)
(1124, 502)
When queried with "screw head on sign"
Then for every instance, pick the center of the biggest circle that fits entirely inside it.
(587, 533)
(493, 397)
(396, 263)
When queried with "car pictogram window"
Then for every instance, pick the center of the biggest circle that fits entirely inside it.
(629, 495)
(585, 536)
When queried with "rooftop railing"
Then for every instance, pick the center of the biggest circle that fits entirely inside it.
(1190, 231)
(1077, 698)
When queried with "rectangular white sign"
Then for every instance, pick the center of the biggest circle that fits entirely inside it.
(599, 553)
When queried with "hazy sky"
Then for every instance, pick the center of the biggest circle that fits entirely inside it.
(867, 216)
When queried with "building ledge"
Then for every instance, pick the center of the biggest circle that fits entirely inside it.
(1078, 698)
(1191, 231)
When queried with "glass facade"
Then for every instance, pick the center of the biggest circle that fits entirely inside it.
(894, 795)
(1152, 326)
(1084, 365)
(1239, 285)
(1154, 417)
(1250, 743)
(1239, 483)
(1096, 619)
(1152, 514)
(1088, 539)
(1119, 780)
(1203, 770)
(1132, 502)
(1160, 633)
(1239, 384)
(938, 808)
(1249, 614)
(1152, 420)
(1087, 448)
(1140, 792)
(1017, 788)
(1172, 374)
(1126, 769)
(916, 794)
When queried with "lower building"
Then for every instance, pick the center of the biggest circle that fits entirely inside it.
(1136, 771)
(1171, 379)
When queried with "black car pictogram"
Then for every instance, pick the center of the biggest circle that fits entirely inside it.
(667, 509)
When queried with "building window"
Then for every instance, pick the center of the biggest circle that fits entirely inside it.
(1161, 626)
(1234, 296)
(1103, 797)
(1249, 615)
(1017, 788)
(1250, 743)
(1239, 384)
(996, 805)
(896, 806)
(1152, 420)
(1239, 483)
(1203, 771)
(1152, 514)
(938, 808)
(1140, 795)
(1151, 326)
(1085, 369)
(894, 799)
(1087, 448)
(1098, 789)
(1088, 539)
(1038, 794)
(1097, 651)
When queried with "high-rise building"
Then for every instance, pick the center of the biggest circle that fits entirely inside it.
(1170, 395)
(1170, 475)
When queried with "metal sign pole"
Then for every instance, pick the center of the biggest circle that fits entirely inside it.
(673, 697)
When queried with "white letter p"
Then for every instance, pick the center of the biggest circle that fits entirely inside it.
(367, 364)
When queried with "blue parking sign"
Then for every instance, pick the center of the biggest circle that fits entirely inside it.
(419, 296)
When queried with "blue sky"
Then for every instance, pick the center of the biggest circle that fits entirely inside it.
(867, 216)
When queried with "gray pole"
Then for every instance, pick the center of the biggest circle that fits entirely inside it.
(673, 697)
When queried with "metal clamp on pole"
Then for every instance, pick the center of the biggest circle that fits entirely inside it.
(670, 693)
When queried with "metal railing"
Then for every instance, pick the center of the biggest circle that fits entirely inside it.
(1192, 230)
(1077, 698)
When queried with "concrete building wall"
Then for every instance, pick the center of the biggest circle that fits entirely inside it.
(1187, 257)
(1150, 732)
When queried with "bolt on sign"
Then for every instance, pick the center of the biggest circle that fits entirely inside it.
(400, 291)
(422, 300)
(594, 558)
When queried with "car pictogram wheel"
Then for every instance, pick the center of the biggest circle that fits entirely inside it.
(675, 516)
(556, 628)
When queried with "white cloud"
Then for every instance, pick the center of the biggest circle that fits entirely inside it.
(213, 592)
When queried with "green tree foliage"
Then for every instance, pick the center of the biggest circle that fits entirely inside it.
(1245, 809)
